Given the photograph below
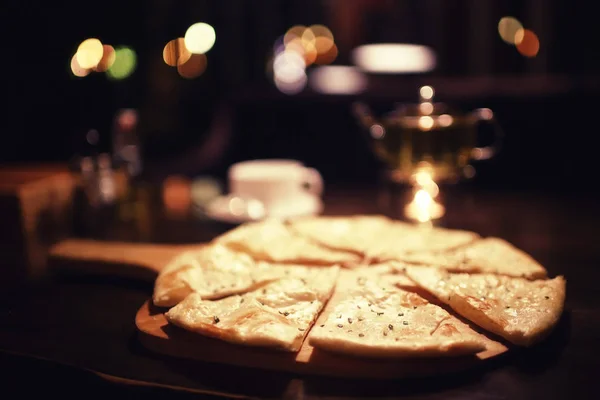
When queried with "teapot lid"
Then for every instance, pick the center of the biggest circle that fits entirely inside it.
(426, 110)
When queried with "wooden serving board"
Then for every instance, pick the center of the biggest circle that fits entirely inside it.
(130, 260)
(155, 333)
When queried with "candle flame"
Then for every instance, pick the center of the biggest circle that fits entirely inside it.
(424, 207)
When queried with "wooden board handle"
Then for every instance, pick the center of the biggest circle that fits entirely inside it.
(129, 260)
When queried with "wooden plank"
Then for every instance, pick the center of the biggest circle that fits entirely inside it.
(130, 260)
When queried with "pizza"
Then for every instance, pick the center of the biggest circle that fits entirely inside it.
(361, 286)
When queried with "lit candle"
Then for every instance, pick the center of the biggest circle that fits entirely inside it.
(424, 207)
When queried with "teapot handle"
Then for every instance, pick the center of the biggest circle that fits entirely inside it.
(487, 152)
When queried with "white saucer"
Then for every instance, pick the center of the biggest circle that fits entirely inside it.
(219, 210)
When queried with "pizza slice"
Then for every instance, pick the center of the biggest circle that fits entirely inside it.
(379, 320)
(279, 315)
(489, 255)
(354, 234)
(213, 272)
(520, 310)
(398, 240)
(271, 240)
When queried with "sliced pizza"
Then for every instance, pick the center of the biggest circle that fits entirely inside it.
(378, 320)
(279, 315)
(398, 240)
(355, 234)
(489, 255)
(213, 272)
(520, 310)
(271, 240)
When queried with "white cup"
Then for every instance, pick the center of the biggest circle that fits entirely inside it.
(279, 184)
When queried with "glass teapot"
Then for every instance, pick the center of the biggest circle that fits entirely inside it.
(428, 135)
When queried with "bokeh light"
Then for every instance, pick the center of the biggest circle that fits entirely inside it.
(394, 58)
(200, 38)
(509, 28)
(323, 44)
(426, 92)
(176, 53)
(176, 195)
(288, 67)
(529, 45)
(124, 64)
(295, 32)
(337, 79)
(289, 72)
(297, 49)
(89, 53)
(321, 31)
(107, 60)
(306, 49)
(193, 67)
(328, 56)
(291, 87)
(77, 70)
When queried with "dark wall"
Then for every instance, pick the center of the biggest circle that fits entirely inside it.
(548, 134)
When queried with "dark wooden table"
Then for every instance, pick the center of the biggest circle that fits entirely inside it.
(76, 335)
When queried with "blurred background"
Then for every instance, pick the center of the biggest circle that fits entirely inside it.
(223, 92)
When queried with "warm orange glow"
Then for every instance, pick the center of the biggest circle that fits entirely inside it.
(328, 56)
(107, 60)
(529, 45)
(295, 32)
(89, 53)
(509, 28)
(445, 120)
(519, 34)
(426, 107)
(177, 197)
(306, 49)
(194, 67)
(321, 31)
(77, 70)
(323, 44)
(424, 207)
(425, 123)
(176, 53)
(426, 92)
(308, 36)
